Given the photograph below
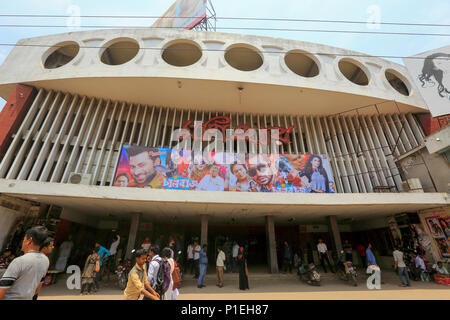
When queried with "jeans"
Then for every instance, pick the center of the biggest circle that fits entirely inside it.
(96, 279)
(402, 271)
(196, 267)
(203, 267)
(324, 256)
(86, 288)
(348, 257)
(235, 264)
(424, 277)
(190, 266)
(287, 264)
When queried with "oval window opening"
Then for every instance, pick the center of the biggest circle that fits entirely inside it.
(353, 72)
(300, 63)
(182, 54)
(120, 52)
(396, 82)
(243, 58)
(62, 56)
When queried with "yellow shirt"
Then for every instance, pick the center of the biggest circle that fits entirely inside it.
(137, 279)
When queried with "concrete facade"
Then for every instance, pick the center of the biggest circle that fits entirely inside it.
(98, 90)
(148, 78)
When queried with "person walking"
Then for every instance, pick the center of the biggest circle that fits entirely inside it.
(48, 246)
(111, 260)
(400, 266)
(323, 255)
(146, 244)
(227, 248)
(287, 258)
(154, 265)
(203, 262)
(190, 258)
(197, 250)
(104, 254)
(348, 251)
(168, 254)
(370, 256)
(138, 284)
(219, 266)
(420, 265)
(64, 253)
(243, 270)
(235, 256)
(24, 276)
(362, 254)
(91, 267)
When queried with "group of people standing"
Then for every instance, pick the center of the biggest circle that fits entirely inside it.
(197, 263)
(143, 277)
(153, 275)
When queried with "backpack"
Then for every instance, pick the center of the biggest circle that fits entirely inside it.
(162, 282)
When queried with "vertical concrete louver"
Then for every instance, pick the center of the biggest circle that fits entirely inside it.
(65, 133)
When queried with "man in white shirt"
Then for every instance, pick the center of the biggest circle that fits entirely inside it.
(440, 269)
(323, 255)
(212, 182)
(420, 264)
(219, 266)
(190, 258)
(235, 256)
(197, 250)
(153, 266)
(441, 272)
(400, 265)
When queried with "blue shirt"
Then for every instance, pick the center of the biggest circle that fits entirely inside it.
(104, 253)
(370, 257)
(203, 257)
(287, 252)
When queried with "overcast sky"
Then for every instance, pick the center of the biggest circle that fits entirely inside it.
(431, 11)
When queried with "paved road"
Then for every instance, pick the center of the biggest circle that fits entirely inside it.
(276, 287)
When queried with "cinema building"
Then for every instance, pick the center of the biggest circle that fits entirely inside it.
(75, 99)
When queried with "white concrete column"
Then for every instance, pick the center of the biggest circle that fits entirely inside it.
(271, 245)
(135, 216)
(335, 234)
(204, 230)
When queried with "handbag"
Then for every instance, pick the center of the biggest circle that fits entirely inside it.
(97, 266)
(176, 277)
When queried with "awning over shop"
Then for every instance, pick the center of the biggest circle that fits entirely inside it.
(100, 201)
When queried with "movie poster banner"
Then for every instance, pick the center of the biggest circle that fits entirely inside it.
(162, 168)
(182, 14)
(439, 228)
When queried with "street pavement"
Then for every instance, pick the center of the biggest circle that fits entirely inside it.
(265, 286)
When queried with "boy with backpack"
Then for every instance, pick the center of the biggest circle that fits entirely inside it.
(158, 272)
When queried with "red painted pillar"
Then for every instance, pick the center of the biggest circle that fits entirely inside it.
(431, 125)
(13, 114)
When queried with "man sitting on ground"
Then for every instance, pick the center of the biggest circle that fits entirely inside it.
(441, 271)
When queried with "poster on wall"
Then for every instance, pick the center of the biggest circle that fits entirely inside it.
(162, 168)
(438, 226)
(431, 73)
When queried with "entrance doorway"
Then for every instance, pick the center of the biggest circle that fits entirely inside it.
(252, 238)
